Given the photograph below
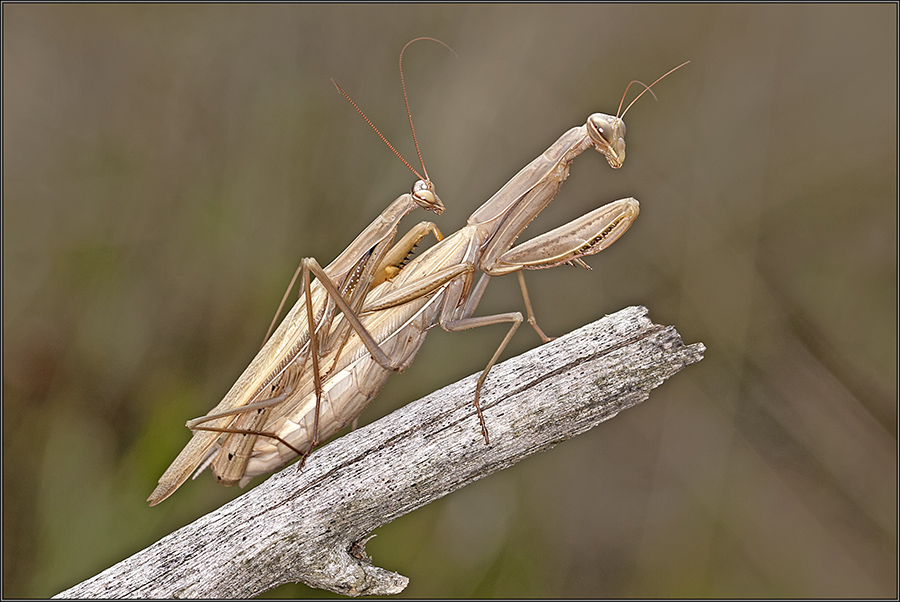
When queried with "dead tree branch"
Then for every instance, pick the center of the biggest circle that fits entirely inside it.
(312, 526)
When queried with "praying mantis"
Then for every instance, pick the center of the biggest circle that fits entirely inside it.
(225, 436)
(322, 367)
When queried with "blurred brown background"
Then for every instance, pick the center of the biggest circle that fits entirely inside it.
(166, 167)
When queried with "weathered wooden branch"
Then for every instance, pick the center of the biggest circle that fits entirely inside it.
(312, 526)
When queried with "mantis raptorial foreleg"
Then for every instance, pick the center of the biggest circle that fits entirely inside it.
(584, 236)
(395, 258)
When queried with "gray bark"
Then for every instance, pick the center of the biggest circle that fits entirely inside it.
(312, 526)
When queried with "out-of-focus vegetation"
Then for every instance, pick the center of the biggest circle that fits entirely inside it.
(166, 167)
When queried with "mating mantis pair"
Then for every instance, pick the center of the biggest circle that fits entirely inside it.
(366, 314)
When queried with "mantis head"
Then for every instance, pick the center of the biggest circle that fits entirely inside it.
(608, 136)
(425, 197)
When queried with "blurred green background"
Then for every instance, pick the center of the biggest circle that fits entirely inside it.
(166, 167)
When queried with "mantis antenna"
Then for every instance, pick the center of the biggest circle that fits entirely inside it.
(646, 89)
(409, 114)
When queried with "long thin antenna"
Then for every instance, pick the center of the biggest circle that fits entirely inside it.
(406, 99)
(409, 114)
(372, 125)
(647, 89)
(625, 93)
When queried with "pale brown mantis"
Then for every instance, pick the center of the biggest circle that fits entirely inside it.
(435, 288)
(226, 435)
